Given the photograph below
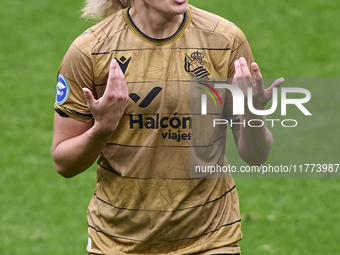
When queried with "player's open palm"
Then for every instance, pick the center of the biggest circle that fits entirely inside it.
(108, 110)
(243, 79)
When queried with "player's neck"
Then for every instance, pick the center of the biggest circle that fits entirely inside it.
(155, 24)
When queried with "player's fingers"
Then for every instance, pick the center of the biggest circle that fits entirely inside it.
(113, 81)
(119, 72)
(112, 76)
(238, 71)
(89, 97)
(121, 85)
(246, 73)
(244, 67)
(276, 84)
(257, 75)
(122, 82)
(238, 76)
(116, 88)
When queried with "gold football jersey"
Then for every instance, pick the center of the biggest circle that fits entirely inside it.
(145, 201)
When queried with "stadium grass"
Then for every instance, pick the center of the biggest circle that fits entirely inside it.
(42, 213)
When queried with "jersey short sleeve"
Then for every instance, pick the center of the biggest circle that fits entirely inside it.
(75, 73)
(239, 47)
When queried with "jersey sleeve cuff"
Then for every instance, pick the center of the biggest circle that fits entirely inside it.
(65, 112)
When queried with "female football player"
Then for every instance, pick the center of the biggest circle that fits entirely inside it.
(123, 99)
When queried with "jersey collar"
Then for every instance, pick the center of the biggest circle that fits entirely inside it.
(158, 42)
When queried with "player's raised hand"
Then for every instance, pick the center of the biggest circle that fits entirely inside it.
(243, 80)
(108, 110)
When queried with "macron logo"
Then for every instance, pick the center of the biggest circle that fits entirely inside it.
(123, 63)
(148, 99)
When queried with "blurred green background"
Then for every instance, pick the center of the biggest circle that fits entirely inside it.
(42, 213)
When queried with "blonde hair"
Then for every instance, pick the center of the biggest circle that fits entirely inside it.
(100, 9)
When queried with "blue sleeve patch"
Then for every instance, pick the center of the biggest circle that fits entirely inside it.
(63, 90)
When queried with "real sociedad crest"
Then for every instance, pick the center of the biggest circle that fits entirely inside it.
(195, 65)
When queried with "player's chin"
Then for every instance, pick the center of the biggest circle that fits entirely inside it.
(179, 6)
